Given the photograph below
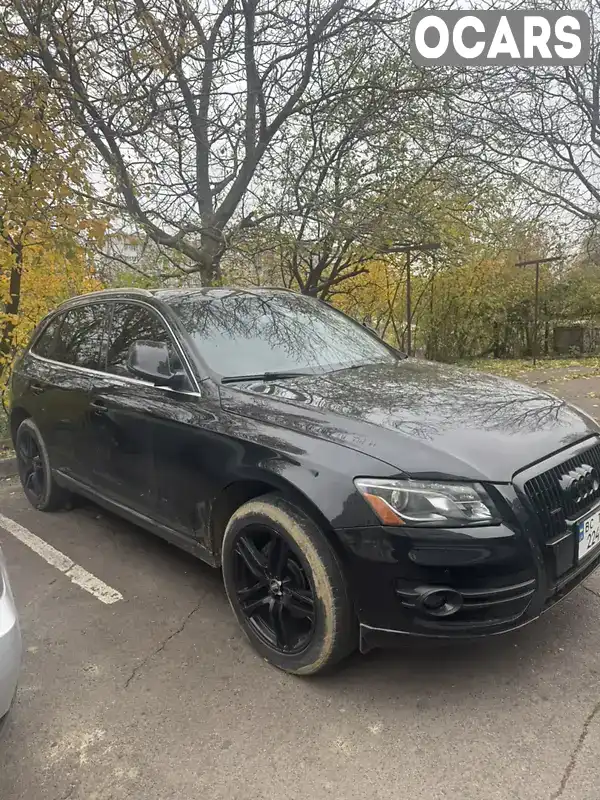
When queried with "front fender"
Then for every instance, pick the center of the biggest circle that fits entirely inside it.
(323, 486)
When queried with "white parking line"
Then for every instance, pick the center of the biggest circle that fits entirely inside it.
(78, 575)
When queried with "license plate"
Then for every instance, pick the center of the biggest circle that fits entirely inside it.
(589, 534)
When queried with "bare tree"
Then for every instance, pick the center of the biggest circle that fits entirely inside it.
(356, 172)
(182, 99)
(537, 127)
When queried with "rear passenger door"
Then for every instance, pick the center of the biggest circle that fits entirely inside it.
(59, 379)
(123, 412)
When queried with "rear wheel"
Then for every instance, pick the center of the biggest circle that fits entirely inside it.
(286, 587)
(39, 486)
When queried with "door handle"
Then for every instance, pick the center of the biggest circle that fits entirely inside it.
(98, 407)
(37, 388)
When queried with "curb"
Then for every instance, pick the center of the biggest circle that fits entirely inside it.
(8, 467)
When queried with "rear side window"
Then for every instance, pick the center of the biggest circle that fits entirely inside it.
(129, 323)
(45, 343)
(78, 340)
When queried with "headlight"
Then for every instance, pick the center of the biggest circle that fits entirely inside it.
(428, 503)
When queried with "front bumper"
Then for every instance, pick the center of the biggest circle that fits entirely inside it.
(504, 576)
(10, 645)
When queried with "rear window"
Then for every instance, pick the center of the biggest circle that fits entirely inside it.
(79, 338)
(74, 337)
(44, 344)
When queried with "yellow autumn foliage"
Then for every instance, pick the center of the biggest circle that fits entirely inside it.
(48, 276)
(47, 219)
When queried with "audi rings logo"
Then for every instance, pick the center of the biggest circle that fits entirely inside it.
(580, 483)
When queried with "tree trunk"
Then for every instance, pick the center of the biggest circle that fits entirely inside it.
(11, 308)
(212, 247)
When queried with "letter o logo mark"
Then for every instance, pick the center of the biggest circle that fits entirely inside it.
(426, 24)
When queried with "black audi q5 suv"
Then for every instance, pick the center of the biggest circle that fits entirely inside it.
(351, 496)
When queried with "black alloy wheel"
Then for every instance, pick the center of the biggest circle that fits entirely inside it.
(286, 586)
(31, 467)
(37, 479)
(273, 590)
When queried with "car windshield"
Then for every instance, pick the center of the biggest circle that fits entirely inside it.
(242, 333)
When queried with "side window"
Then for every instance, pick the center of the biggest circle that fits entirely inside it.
(130, 323)
(78, 341)
(46, 342)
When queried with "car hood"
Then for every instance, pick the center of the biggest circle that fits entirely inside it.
(424, 418)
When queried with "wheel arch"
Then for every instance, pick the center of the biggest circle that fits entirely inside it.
(242, 490)
(17, 416)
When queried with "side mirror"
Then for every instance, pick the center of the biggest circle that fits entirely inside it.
(150, 361)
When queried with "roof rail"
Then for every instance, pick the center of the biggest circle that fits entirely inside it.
(125, 292)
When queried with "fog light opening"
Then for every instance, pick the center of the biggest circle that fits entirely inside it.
(440, 602)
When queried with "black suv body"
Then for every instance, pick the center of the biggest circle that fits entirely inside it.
(343, 488)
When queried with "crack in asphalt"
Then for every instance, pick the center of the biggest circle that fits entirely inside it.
(576, 750)
(162, 645)
(591, 591)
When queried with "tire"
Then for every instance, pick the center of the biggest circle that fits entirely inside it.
(35, 473)
(315, 637)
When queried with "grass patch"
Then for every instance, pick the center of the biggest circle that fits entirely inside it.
(589, 367)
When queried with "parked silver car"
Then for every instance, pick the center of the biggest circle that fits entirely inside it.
(10, 644)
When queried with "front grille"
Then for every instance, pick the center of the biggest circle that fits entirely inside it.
(552, 505)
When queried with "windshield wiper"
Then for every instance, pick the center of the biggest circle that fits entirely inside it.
(264, 376)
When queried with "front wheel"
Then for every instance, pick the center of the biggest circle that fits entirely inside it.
(39, 486)
(286, 587)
